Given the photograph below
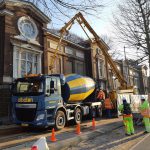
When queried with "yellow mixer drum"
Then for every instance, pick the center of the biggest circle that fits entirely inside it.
(78, 87)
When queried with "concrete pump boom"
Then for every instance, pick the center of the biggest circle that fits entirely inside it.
(83, 23)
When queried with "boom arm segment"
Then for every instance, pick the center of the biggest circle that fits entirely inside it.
(83, 23)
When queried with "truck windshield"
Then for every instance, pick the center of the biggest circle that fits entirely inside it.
(28, 87)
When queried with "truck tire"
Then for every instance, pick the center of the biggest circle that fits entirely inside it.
(60, 120)
(77, 116)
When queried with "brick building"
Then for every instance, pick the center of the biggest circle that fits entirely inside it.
(134, 74)
(97, 63)
(21, 44)
(71, 57)
(27, 46)
(143, 84)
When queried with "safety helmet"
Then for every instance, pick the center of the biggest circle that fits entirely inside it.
(124, 100)
(142, 98)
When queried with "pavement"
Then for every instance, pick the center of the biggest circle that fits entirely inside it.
(67, 139)
(144, 144)
(5, 127)
(9, 130)
(5, 120)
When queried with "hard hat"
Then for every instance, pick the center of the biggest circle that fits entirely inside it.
(123, 98)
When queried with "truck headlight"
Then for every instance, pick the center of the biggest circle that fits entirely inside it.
(40, 117)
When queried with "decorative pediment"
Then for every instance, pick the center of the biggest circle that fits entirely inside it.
(29, 5)
(6, 12)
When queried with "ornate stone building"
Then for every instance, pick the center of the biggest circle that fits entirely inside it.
(27, 46)
(135, 75)
(70, 57)
(21, 44)
(99, 65)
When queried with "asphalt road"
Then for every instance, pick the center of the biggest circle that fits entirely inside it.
(109, 134)
(68, 137)
(144, 144)
(113, 140)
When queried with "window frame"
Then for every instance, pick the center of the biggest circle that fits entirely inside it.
(18, 59)
(101, 75)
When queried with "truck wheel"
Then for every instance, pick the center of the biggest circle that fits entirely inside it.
(78, 116)
(60, 120)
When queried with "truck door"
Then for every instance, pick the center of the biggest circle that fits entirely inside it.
(52, 92)
(52, 99)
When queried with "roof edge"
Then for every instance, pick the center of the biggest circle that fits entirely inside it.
(65, 40)
(30, 5)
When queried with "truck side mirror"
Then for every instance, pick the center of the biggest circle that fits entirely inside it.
(48, 91)
(52, 87)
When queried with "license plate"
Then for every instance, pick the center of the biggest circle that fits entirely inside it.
(24, 125)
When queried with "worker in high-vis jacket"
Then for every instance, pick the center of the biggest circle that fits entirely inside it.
(108, 106)
(145, 112)
(101, 95)
(125, 109)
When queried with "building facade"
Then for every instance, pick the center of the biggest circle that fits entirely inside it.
(143, 76)
(70, 56)
(28, 47)
(21, 45)
(99, 66)
(135, 76)
(113, 82)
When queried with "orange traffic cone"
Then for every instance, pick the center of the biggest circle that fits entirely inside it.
(93, 123)
(53, 138)
(78, 129)
(34, 148)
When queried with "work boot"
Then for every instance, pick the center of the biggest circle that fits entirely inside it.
(127, 134)
(145, 132)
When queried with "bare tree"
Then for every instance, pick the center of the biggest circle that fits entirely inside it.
(63, 9)
(132, 21)
(108, 40)
(113, 50)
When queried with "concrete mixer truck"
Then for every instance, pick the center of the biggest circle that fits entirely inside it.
(53, 100)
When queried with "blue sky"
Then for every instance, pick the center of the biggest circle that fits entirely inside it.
(101, 25)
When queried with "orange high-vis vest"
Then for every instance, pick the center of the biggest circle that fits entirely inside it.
(124, 115)
(145, 109)
(108, 104)
(145, 113)
(101, 95)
